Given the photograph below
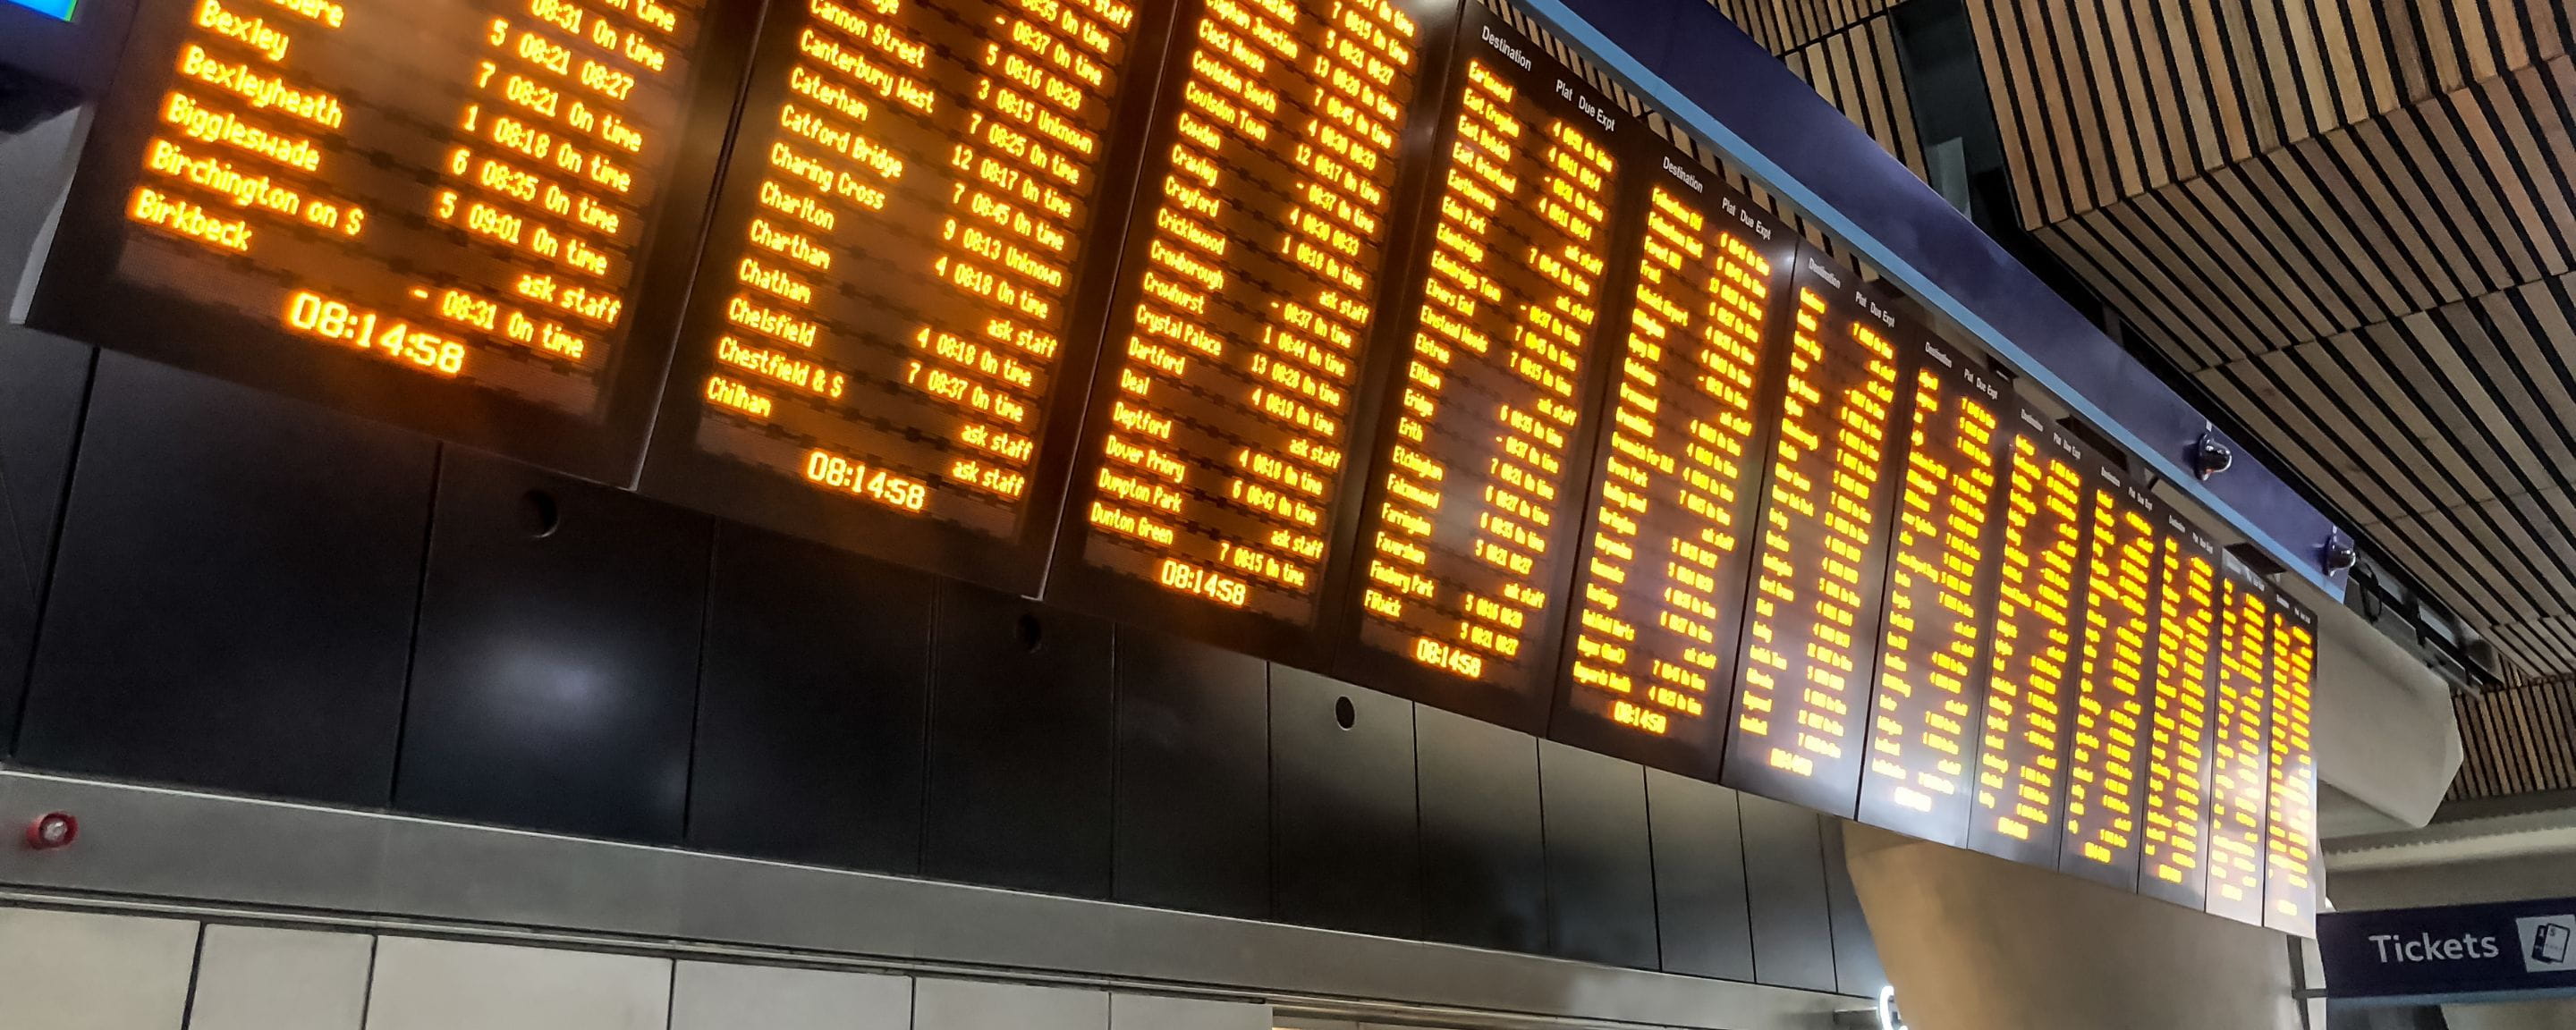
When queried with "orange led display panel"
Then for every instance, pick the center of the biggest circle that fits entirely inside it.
(2173, 861)
(892, 310)
(1217, 451)
(1923, 717)
(443, 215)
(1649, 667)
(2038, 619)
(2108, 737)
(2290, 889)
(1798, 732)
(1468, 529)
(2239, 778)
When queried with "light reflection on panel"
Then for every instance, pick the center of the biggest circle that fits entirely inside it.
(2107, 746)
(2174, 852)
(2022, 735)
(1468, 535)
(1940, 591)
(889, 294)
(1651, 665)
(2238, 781)
(1812, 619)
(2290, 827)
(1217, 448)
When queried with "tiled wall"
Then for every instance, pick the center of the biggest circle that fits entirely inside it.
(81, 971)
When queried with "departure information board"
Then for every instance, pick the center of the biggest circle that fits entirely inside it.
(892, 294)
(1650, 660)
(436, 214)
(1378, 337)
(2238, 781)
(2114, 683)
(1923, 719)
(1218, 448)
(2173, 861)
(1473, 506)
(1812, 616)
(2290, 823)
(2039, 607)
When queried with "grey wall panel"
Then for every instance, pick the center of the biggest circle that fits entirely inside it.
(1193, 784)
(1484, 868)
(454, 985)
(1156, 1012)
(1600, 861)
(811, 706)
(977, 1005)
(555, 677)
(1857, 970)
(713, 996)
(1344, 821)
(161, 846)
(257, 978)
(74, 971)
(43, 383)
(232, 603)
(1793, 938)
(1023, 734)
(428, 867)
(1703, 916)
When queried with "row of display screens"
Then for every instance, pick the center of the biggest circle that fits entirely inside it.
(1367, 335)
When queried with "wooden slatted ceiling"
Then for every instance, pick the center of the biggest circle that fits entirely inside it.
(2103, 100)
(1856, 70)
(1846, 49)
(2450, 435)
(2453, 197)
(1785, 25)
(1753, 16)
(2519, 741)
(2351, 221)
(2324, 262)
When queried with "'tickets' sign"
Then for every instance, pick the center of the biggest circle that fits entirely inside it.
(2520, 949)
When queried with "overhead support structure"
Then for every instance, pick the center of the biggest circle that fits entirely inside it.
(1702, 70)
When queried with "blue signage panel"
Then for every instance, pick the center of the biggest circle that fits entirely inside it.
(57, 8)
(2425, 955)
